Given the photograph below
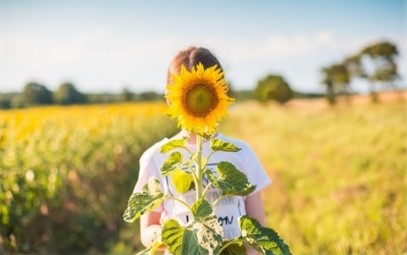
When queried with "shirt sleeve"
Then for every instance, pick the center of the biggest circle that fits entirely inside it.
(256, 174)
(148, 169)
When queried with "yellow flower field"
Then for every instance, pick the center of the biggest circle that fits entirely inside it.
(72, 169)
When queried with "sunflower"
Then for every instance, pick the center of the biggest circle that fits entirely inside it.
(198, 99)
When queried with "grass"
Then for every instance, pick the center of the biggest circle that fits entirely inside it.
(339, 174)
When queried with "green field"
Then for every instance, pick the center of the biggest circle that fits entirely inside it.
(339, 174)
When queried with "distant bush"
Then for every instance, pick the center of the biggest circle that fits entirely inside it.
(5, 101)
(68, 94)
(36, 94)
(273, 87)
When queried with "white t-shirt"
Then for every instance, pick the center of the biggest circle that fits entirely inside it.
(227, 210)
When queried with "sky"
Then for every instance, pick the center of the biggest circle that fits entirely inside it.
(105, 46)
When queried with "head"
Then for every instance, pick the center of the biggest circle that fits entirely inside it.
(189, 58)
(198, 97)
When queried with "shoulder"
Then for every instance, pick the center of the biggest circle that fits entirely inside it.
(153, 151)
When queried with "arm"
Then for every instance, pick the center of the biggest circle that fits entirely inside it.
(150, 228)
(257, 175)
(255, 209)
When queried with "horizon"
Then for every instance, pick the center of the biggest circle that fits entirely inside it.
(106, 46)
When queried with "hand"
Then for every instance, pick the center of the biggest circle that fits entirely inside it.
(154, 233)
(251, 251)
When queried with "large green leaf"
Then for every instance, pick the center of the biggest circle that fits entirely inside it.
(172, 144)
(219, 145)
(200, 238)
(173, 161)
(201, 209)
(182, 181)
(172, 236)
(146, 200)
(230, 180)
(261, 238)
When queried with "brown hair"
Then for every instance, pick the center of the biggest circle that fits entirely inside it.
(189, 58)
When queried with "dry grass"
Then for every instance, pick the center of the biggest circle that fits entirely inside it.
(339, 173)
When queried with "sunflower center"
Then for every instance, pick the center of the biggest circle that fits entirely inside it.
(200, 100)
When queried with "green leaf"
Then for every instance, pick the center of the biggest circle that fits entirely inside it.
(172, 235)
(202, 209)
(201, 237)
(146, 200)
(261, 238)
(179, 143)
(219, 145)
(230, 180)
(237, 248)
(182, 180)
(172, 162)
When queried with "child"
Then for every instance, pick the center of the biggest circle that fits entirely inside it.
(227, 210)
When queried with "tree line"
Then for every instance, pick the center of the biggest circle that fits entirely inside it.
(35, 94)
(375, 63)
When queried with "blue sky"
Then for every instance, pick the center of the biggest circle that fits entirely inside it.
(104, 46)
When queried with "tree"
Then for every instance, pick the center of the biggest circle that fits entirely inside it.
(273, 87)
(382, 57)
(36, 94)
(17, 101)
(150, 96)
(68, 94)
(5, 101)
(125, 95)
(336, 78)
(354, 66)
(327, 81)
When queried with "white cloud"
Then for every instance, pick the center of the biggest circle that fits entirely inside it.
(301, 44)
(275, 46)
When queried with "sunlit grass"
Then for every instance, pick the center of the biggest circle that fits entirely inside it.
(339, 174)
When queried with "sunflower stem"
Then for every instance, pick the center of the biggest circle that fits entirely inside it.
(198, 186)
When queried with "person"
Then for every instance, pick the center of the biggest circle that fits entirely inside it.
(227, 210)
